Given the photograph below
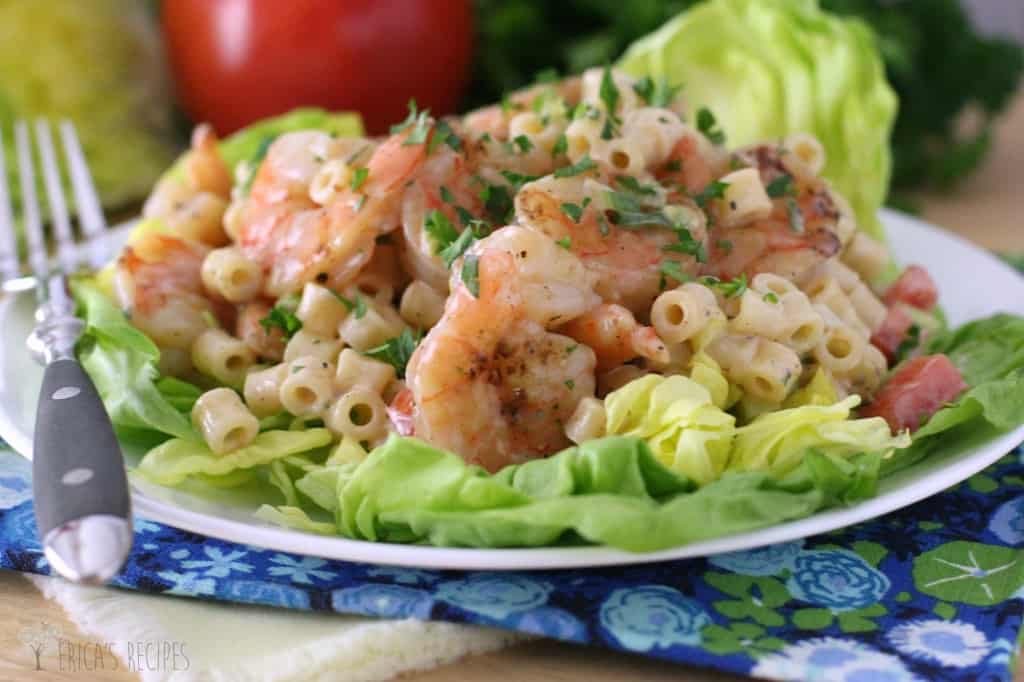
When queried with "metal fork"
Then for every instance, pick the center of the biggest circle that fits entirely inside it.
(83, 508)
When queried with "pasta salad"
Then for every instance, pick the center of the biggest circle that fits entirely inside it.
(580, 278)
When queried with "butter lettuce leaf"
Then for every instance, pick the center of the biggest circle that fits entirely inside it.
(610, 491)
(121, 361)
(769, 68)
(778, 442)
(679, 420)
(175, 460)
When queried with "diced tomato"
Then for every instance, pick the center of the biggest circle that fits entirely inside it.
(914, 287)
(916, 391)
(892, 332)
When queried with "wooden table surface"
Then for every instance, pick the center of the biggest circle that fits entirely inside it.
(988, 209)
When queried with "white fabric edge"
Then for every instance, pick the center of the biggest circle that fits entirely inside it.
(352, 650)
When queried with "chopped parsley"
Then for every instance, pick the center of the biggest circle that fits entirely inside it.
(671, 268)
(609, 92)
(283, 319)
(456, 248)
(627, 211)
(359, 176)
(440, 229)
(781, 186)
(570, 349)
(585, 164)
(443, 134)
(724, 245)
(707, 125)
(498, 203)
(688, 245)
(770, 297)
(561, 145)
(523, 142)
(658, 94)
(396, 351)
(714, 190)
(730, 288)
(447, 196)
(564, 242)
(357, 306)
(795, 215)
(575, 211)
(517, 180)
(570, 384)
(673, 166)
(633, 185)
(471, 274)
(420, 123)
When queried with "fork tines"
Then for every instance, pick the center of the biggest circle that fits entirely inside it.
(90, 213)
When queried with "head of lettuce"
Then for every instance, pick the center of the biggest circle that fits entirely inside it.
(768, 68)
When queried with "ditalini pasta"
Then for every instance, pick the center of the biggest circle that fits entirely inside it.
(308, 386)
(228, 274)
(221, 356)
(223, 420)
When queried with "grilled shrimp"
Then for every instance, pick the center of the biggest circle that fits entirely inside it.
(192, 204)
(806, 227)
(296, 240)
(157, 283)
(455, 172)
(626, 261)
(489, 381)
(615, 336)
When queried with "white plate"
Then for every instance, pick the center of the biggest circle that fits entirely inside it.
(971, 282)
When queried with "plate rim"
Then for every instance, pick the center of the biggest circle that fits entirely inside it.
(552, 558)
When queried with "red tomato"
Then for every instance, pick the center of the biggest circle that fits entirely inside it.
(236, 61)
(916, 391)
(892, 332)
(914, 287)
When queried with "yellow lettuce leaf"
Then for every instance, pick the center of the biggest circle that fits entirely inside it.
(679, 420)
(778, 441)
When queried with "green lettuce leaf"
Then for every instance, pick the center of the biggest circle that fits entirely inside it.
(175, 460)
(122, 363)
(769, 68)
(610, 491)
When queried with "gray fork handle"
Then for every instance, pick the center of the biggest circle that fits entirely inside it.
(82, 503)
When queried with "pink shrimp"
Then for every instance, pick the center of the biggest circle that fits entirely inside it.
(615, 336)
(297, 241)
(488, 381)
(803, 230)
(627, 263)
(157, 282)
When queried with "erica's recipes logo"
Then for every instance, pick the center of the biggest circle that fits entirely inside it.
(46, 642)
(40, 639)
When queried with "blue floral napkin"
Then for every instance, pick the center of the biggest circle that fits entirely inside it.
(930, 592)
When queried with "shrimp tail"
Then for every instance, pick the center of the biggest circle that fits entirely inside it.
(204, 167)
